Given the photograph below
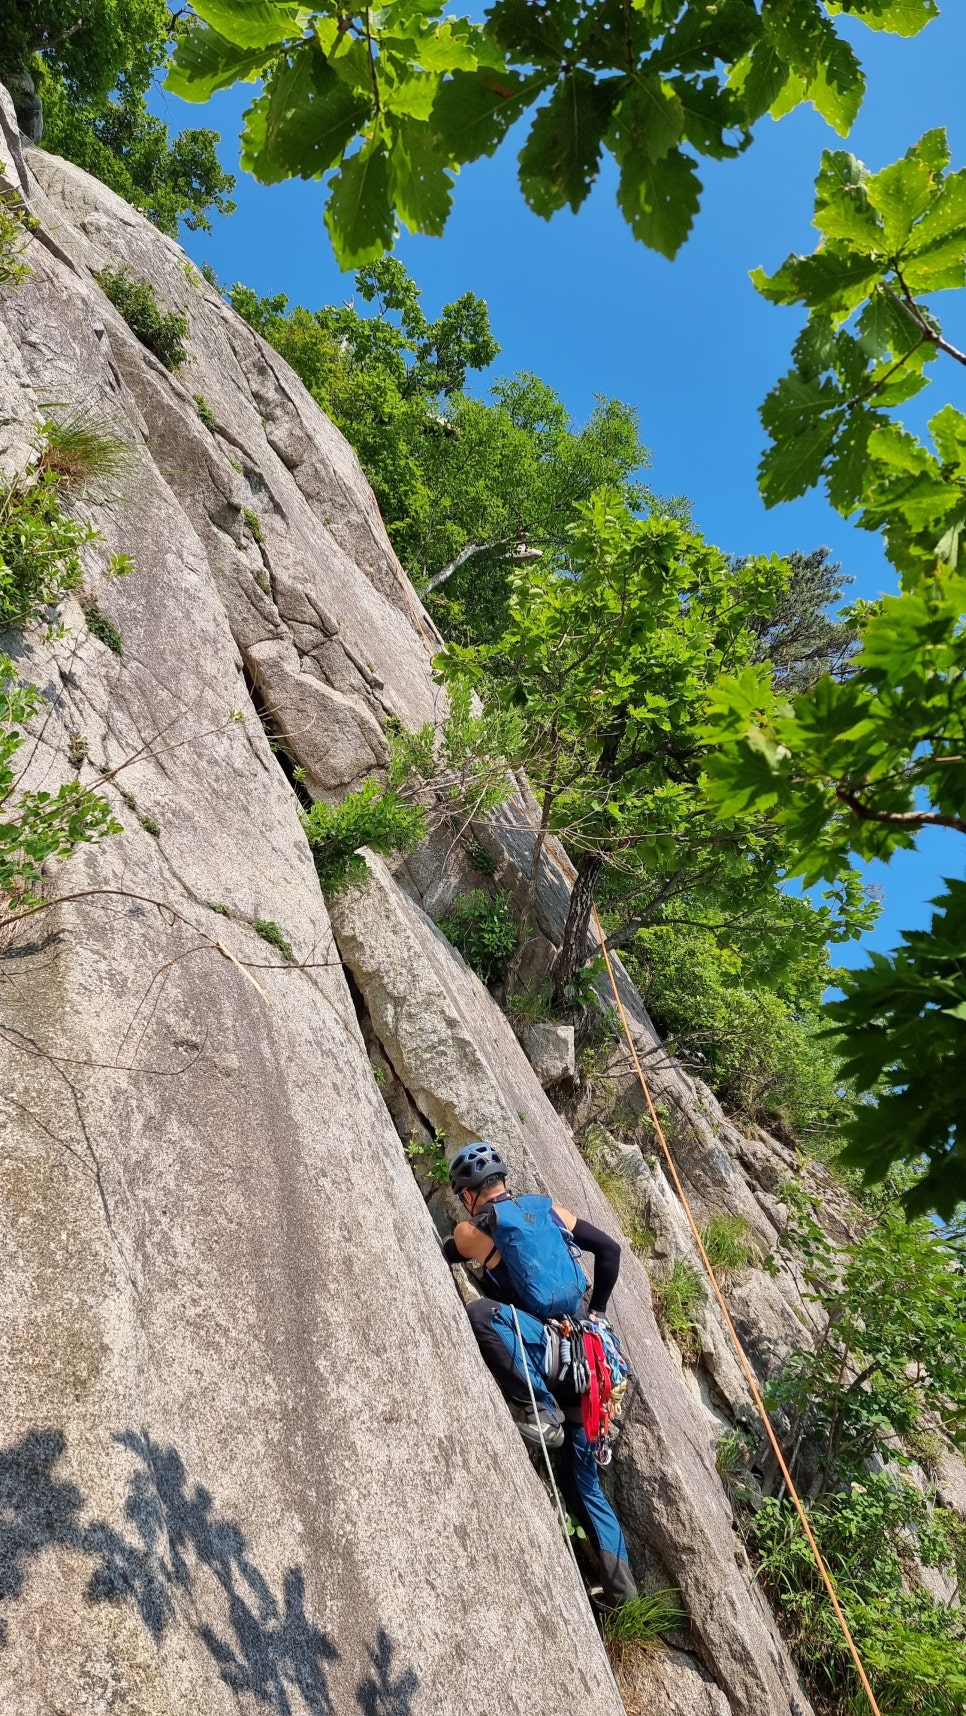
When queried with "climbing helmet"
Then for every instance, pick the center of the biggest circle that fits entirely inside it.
(474, 1164)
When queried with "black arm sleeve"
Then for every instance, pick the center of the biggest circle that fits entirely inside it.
(450, 1252)
(607, 1261)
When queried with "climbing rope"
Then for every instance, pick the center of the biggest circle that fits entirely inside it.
(746, 1367)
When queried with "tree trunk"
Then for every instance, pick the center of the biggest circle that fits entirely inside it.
(573, 952)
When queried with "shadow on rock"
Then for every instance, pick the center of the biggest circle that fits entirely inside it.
(176, 1542)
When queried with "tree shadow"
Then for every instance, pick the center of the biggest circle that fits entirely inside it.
(267, 1646)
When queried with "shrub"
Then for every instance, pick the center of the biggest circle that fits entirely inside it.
(373, 816)
(206, 414)
(727, 1241)
(914, 1648)
(40, 548)
(270, 932)
(164, 332)
(761, 1051)
(83, 451)
(14, 226)
(102, 628)
(676, 1302)
(531, 1006)
(37, 826)
(645, 1617)
(484, 930)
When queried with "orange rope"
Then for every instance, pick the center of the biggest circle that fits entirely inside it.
(749, 1376)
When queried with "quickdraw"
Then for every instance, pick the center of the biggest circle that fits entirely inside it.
(589, 1349)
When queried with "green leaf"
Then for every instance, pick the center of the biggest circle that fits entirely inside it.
(658, 198)
(474, 110)
(901, 17)
(849, 462)
(560, 158)
(534, 34)
(830, 279)
(650, 118)
(204, 62)
(421, 185)
(837, 87)
(758, 79)
(842, 209)
(900, 194)
(307, 119)
(254, 23)
(449, 46)
(359, 213)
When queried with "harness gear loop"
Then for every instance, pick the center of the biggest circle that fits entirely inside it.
(746, 1367)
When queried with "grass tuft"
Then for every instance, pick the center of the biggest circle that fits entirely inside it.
(676, 1303)
(206, 414)
(728, 1243)
(84, 452)
(271, 933)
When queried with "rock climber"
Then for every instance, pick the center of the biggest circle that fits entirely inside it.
(545, 1242)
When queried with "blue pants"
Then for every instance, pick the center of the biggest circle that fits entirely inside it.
(577, 1470)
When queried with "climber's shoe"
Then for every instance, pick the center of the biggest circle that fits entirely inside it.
(543, 1428)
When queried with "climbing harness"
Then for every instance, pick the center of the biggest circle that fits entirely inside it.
(739, 1349)
(588, 1348)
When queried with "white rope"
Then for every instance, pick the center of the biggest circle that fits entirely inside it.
(553, 1485)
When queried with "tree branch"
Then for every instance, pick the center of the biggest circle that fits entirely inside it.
(513, 550)
(898, 818)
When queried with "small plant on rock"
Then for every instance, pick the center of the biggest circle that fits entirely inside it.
(38, 826)
(102, 628)
(206, 414)
(728, 1243)
(676, 1303)
(40, 548)
(254, 524)
(270, 932)
(83, 451)
(484, 930)
(164, 332)
(429, 1155)
(481, 859)
(375, 816)
(15, 223)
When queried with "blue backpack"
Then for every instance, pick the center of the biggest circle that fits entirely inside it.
(541, 1263)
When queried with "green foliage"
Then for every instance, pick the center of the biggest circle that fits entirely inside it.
(481, 860)
(396, 101)
(858, 769)
(728, 1243)
(206, 414)
(484, 930)
(676, 1303)
(428, 1156)
(799, 637)
(468, 487)
(609, 667)
(102, 628)
(119, 141)
(645, 1617)
(374, 816)
(37, 826)
(895, 1304)
(889, 239)
(530, 1006)
(14, 225)
(270, 932)
(84, 452)
(253, 522)
(40, 548)
(116, 38)
(732, 1456)
(753, 1028)
(914, 1647)
(164, 332)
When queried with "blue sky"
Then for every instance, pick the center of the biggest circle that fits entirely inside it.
(690, 344)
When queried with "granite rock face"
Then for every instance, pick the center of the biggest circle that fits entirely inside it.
(245, 1441)
(454, 1052)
